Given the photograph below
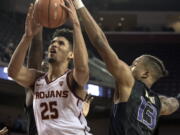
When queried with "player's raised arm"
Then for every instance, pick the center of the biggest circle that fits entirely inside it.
(16, 70)
(81, 70)
(169, 104)
(34, 60)
(119, 69)
(35, 53)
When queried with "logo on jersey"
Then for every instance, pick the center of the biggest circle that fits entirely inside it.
(52, 94)
(152, 99)
(61, 83)
(38, 84)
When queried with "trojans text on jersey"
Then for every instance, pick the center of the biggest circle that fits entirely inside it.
(52, 94)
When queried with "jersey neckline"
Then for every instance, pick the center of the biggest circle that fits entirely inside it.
(47, 80)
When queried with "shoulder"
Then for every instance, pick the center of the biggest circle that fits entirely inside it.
(38, 73)
(123, 92)
(75, 87)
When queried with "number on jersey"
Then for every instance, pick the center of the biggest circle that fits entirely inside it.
(147, 114)
(49, 110)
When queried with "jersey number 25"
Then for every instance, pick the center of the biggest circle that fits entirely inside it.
(49, 110)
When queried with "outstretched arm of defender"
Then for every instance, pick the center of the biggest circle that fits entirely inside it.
(119, 69)
(16, 70)
(168, 105)
(81, 70)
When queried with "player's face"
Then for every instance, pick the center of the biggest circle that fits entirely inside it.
(44, 66)
(59, 50)
(137, 68)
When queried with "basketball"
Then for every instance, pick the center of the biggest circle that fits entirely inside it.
(49, 13)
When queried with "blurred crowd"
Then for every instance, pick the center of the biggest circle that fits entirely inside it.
(15, 126)
(6, 52)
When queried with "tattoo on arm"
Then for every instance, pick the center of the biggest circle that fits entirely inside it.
(168, 105)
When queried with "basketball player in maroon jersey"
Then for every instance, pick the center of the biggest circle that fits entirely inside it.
(58, 94)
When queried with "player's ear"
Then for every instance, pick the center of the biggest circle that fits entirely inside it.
(70, 55)
(145, 75)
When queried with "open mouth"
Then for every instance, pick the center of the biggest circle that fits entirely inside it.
(52, 51)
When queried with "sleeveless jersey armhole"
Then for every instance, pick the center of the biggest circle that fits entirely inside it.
(73, 85)
(32, 87)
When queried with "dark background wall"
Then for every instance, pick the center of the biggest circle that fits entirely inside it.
(127, 45)
(118, 5)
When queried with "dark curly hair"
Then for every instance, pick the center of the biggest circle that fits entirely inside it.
(65, 32)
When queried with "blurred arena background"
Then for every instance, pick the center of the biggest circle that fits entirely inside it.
(133, 27)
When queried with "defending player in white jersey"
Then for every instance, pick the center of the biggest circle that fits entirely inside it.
(58, 94)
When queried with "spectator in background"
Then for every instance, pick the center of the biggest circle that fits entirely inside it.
(7, 52)
(18, 124)
(4, 131)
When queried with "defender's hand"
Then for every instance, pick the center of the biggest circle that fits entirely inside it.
(69, 7)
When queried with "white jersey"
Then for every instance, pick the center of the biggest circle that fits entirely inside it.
(57, 110)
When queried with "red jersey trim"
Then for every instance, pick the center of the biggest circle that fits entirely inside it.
(70, 88)
(48, 82)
